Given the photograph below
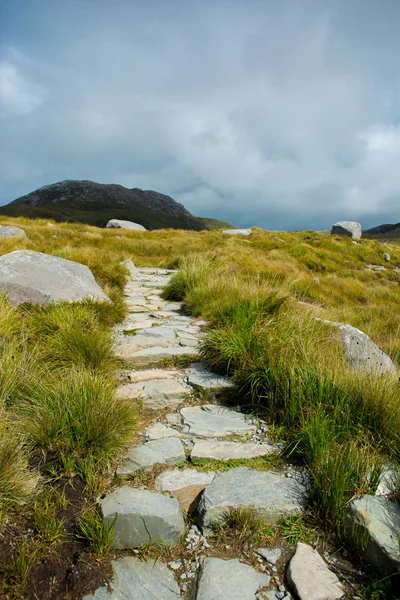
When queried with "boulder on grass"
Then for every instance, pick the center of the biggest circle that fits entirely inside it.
(348, 228)
(8, 231)
(119, 224)
(27, 276)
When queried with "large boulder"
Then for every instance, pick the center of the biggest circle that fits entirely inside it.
(348, 228)
(237, 231)
(374, 524)
(142, 517)
(310, 577)
(8, 231)
(361, 352)
(27, 276)
(120, 224)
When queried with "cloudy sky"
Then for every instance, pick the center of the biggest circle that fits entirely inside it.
(278, 113)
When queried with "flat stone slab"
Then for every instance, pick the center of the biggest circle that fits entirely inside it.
(219, 450)
(159, 331)
(237, 232)
(155, 393)
(184, 484)
(138, 580)
(28, 276)
(164, 451)
(142, 517)
(139, 342)
(375, 523)
(272, 496)
(158, 431)
(230, 579)
(152, 374)
(212, 420)
(310, 577)
(153, 355)
(199, 375)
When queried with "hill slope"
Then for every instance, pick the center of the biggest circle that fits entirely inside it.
(96, 203)
(384, 230)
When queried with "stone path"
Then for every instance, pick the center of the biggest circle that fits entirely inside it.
(186, 429)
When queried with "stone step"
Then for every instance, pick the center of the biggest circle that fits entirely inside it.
(184, 484)
(156, 393)
(139, 580)
(230, 579)
(154, 355)
(273, 496)
(198, 375)
(212, 420)
(310, 577)
(141, 517)
(158, 431)
(221, 450)
(164, 451)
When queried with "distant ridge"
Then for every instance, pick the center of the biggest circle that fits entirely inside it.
(96, 203)
(387, 229)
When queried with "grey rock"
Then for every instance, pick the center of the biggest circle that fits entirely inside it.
(271, 555)
(374, 522)
(158, 431)
(128, 264)
(28, 276)
(164, 451)
(120, 224)
(215, 421)
(237, 232)
(156, 393)
(388, 482)
(159, 331)
(229, 579)
(184, 484)
(310, 578)
(386, 256)
(348, 228)
(272, 496)
(361, 352)
(221, 450)
(8, 231)
(155, 354)
(138, 580)
(142, 517)
(199, 375)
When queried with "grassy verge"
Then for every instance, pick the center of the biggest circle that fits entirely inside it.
(341, 424)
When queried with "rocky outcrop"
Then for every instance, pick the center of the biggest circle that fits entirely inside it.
(237, 231)
(310, 578)
(348, 228)
(8, 231)
(27, 276)
(383, 229)
(119, 224)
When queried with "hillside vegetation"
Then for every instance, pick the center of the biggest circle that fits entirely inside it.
(260, 295)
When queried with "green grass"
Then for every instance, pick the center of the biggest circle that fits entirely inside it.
(98, 535)
(261, 463)
(242, 528)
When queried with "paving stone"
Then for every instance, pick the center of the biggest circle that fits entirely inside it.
(159, 331)
(135, 326)
(174, 419)
(191, 343)
(136, 579)
(158, 431)
(310, 577)
(173, 306)
(165, 451)
(153, 355)
(271, 555)
(375, 524)
(142, 517)
(184, 484)
(229, 579)
(156, 393)
(199, 375)
(152, 374)
(272, 496)
(213, 420)
(220, 450)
